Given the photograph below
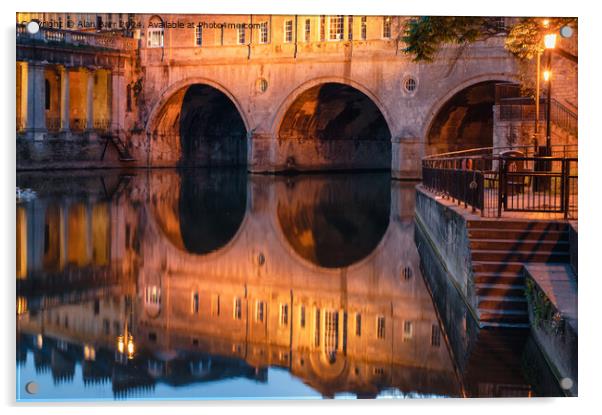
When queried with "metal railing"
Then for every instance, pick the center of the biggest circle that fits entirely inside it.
(493, 181)
(524, 110)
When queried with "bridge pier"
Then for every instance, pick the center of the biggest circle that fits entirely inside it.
(406, 154)
(259, 152)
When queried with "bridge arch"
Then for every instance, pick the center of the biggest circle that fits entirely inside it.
(332, 123)
(197, 122)
(464, 108)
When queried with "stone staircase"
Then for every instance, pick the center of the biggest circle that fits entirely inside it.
(122, 150)
(499, 249)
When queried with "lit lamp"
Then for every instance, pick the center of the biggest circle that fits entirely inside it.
(125, 344)
(549, 41)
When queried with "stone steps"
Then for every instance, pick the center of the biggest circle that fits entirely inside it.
(517, 225)
(525, 245)
(520, 256)
(507, 279)
(500, 288)
(499, 250)
(514, 234)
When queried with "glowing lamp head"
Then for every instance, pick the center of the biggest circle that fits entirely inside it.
(120, 344)
(545, 22)
(547, 75)
(550, 41)
(130, 348)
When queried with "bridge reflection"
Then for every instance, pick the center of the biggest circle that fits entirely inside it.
(216, 275)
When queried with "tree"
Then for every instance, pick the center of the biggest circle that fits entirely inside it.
(424, 36)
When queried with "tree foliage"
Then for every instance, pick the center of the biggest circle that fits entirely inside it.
(424, 36)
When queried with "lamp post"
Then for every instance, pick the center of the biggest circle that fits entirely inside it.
(550, 43)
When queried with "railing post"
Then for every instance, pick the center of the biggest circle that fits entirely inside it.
(566, 171)
(501, 187)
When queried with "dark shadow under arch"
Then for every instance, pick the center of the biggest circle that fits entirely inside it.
(333, 125)
(465, 121)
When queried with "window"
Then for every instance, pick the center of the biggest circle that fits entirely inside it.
(331, 333)
(363, 27)
(237, 309)
(302, 316)
(380, 327)
(263, 33)
(408, 330)
(283, 314)
(307, 30)
(96, 307)
(241, 35)
(358, 325)
(317, 329)
(407, 273)
(46, 237)
(46, 94)
(322, 28)
(106, 326)
(288, 31)
(350, 28)
(153, 295)
(336, 28)
(195, 303)
(215, 305)
(435, 335)
(259, 311)
(155, 38)
(387, 27)
(198, 35)
(116, 328)
(410, 84)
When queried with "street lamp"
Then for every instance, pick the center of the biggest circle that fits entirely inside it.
(546, 24)
(549, 41)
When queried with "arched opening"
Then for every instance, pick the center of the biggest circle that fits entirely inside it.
(200, 126)
(335, 221)
(199, 211)
(465, 121)
(334, 126)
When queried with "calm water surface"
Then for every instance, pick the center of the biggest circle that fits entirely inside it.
(200, 284)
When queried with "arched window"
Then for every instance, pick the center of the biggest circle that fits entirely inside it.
(46, 94)
(155, 32)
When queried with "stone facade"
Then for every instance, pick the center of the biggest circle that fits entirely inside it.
(268, 75)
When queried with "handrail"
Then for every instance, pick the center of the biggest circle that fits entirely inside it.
(557, 148)
(517, 110)
(494, 183)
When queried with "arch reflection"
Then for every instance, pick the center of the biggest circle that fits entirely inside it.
(335, 221)
(200, 211)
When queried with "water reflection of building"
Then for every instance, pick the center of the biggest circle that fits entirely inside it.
(261, 299)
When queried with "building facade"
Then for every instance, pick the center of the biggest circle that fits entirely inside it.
(270, 92)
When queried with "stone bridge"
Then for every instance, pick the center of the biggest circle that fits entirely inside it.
(292, 92)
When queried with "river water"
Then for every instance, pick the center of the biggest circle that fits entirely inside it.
(201, 284)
